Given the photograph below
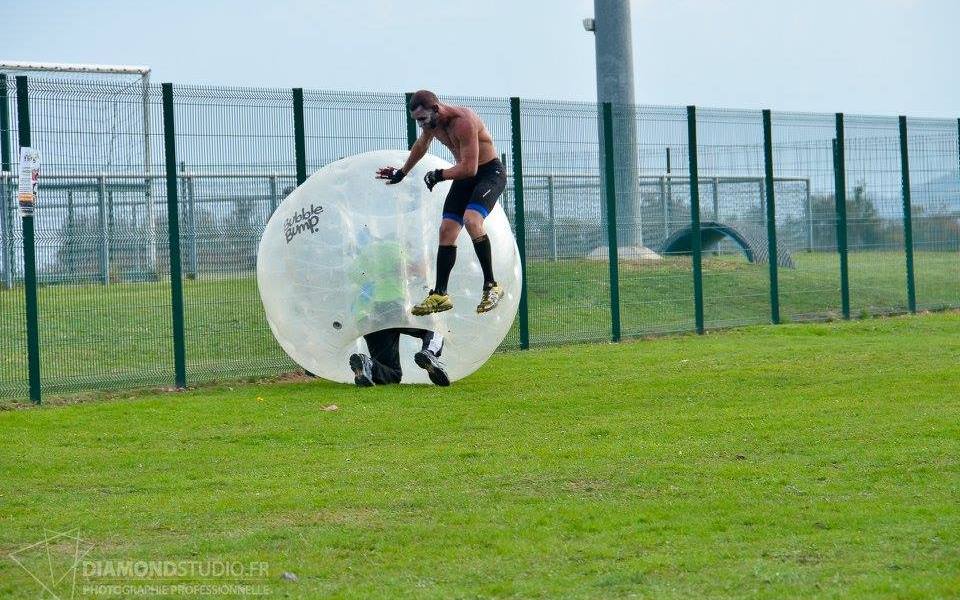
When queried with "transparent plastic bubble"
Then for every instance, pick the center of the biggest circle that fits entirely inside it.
(345, 255)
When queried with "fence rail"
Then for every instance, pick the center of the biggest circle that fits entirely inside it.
(144, 241)
(124, 196)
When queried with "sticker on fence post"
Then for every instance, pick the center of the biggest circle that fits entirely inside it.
(29, 177)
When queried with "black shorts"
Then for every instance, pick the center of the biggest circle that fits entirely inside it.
(478, 193)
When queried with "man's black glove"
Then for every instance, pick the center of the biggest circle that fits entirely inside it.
(432, 178)
(392, 175)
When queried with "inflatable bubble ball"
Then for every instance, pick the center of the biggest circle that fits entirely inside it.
(345, 255)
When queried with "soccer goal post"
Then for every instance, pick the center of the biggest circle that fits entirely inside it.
(135, 75)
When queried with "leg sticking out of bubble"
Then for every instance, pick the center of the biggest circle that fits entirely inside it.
(478, 180)
(382, 367)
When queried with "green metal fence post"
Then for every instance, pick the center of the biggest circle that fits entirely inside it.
(411, 124)
(299, 137)
(667, 199)
(771, 218)
(29, 254)
(173, 230)
(6, 214)
(610, 191)
(695, 218)
(841, 201)
(506, 191)
(907, 215)
(518, 221)
(4, 125)
(299, 142)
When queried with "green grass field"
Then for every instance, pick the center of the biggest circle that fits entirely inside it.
(806, 460)
(120, 336)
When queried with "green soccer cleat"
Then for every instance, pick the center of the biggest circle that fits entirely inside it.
(433, 303)
(491, 297)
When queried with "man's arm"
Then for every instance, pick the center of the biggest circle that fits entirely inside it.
(465, 132)
(394, 175)
(418, 150)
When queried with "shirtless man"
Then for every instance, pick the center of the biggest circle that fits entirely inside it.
(478, 180)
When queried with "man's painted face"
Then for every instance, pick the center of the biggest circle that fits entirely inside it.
(426, 117)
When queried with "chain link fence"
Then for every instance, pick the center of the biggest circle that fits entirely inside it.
(778, 217)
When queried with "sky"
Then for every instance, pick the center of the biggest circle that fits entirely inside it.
(855, 56)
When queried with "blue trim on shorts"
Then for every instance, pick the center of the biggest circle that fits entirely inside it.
(453, 217)
(479, 208)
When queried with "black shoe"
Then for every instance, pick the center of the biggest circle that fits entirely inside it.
(428, 361)
(362, 368)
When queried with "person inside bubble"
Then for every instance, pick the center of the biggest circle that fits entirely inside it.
(379, 274)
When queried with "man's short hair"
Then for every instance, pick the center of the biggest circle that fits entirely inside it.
(424, 98)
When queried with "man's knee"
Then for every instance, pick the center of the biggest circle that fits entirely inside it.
(473, 221)
(449, 230)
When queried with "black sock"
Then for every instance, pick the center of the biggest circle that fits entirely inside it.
(446, 257)
(482, 246)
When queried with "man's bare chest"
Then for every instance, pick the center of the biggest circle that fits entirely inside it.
(443, 136)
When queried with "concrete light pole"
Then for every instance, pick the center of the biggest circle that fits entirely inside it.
(614, 48)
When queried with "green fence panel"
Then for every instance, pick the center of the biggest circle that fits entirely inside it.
(6, 189)
(934, 161)
(14, 371)
(655, 280)
(732, 217)
(98, 332)
(806, 215)
(871, 170)
(106, 307)
(568, 285)
(243, 157)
